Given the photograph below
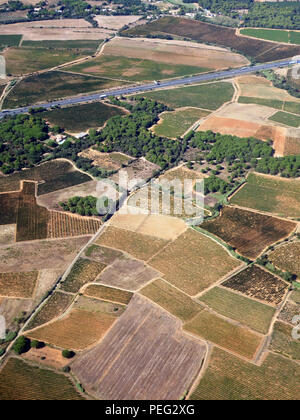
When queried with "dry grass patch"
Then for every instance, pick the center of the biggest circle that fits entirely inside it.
(20, 285)
(109, 161)
(224, 334)
(7, 234)
(249, 232)
(193, 262)
(138, 245)
(259, 284)
(84, 271)
(102, 254)
(283, 342)
(171, 299)
(108, 293)
(254, 315)
(46, 356)
(230, 378)
(287, 257)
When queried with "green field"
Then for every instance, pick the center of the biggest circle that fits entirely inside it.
(21, 381)
(54, 85)
(10, 41)
(208, 96)
(293, 107)
(285, 118)
(253, 314)
(270, 194)
(268, 34)
(88, 46)
(134, 69)
(175, 124)
(230, 378)
(82, 117)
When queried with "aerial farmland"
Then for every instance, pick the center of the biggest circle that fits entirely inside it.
(149, 202)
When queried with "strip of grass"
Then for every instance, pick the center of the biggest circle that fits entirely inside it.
(268, 34)
(253, 314)
(85, 45)
(293, 107)
(134, 69)
(286, 119)
(208, 96)
(10, 40)
(82, 117)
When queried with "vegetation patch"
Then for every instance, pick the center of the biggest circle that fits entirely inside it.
(224, 334)
(254, 315)
(268, 34)
(10, 41)
(248, 232)
(285, 118)
(84, 271)
(171, 299)
(208, 96)
(287, 257)
(270, 194)
(230, 378)
(21, 381)
(259, 284)
(193, 262)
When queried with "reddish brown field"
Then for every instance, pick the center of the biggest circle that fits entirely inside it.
(249, 232)
(144, 356)
(8, 208)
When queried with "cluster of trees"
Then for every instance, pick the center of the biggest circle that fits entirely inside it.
(13, 6)
(215, 184)
(24, 344)
(22, 142)
(85, 206)
(285, 275)
(285, 15)
(131, 135)
(288, 166)
(228, 7)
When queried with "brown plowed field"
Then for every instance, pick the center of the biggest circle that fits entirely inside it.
(249, 232)
(144, 356)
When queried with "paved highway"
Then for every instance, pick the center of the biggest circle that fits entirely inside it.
(153, 86)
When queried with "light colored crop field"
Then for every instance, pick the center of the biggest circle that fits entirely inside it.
(225, 334)
(175, 52)
(270, 194)
(254, 315)
(283, 342)
(47, 356)
(248, 232)
(115, 22)
(171, 299)
(259, 284)
(109, 161)
(175, 124)
(108, 293)
(63, 225)
(208, 96)
(145, 356)
(136, 244)
(7, 234)
(230, 378)
(287, 257)
(159, 226)
(285, 118)
(193, 262)
(54, 307)
(79, 330)
(84, 271)
(21, 381)
(20, 285)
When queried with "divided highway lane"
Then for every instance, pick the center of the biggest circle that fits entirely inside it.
(153, 86)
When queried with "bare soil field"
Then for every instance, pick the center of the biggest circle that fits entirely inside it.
(248, 312)
(225, 334)
(144, 356)
(263, 51)
(250, 233)
(40, 255)
(283, 343)
(271, 194)
(289, 311)
(175, 52)
(287, 257)
(136, 244)
(234, 127)
(54, 307)
(63, 225)
(12, 308)
(21, 381)
(108, 161)
(162, 227)
(115, 22)
(84, 271)
(102, 254)
(259, 284)
(172, 300)
(138, 169)
(18, 285)
(7, 234)
(66, 29)
(46, 356)
(77, 331)
(193, 262)
(230, 378)
(108, 293)
(128, 273)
